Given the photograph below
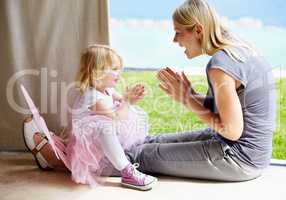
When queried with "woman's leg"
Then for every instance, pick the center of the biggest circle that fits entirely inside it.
(203, 159)
(181, 137)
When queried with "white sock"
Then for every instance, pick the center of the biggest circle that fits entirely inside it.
(112, 147)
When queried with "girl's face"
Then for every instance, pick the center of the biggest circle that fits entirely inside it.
(190, 39)
(112, 74)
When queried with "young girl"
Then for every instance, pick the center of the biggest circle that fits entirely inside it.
(104, 123)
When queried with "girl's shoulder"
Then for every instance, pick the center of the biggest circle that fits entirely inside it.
(93, 92)
(91, 96)
(111, 91)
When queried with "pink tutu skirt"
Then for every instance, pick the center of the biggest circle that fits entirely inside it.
(83, 154)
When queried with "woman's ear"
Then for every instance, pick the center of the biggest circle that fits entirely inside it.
(199, 30)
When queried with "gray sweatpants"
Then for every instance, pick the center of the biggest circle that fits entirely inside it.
(196, 154)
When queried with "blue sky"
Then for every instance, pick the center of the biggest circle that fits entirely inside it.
(271, 12)
(142, 31)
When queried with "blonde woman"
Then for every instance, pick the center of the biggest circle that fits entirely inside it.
(239, 107)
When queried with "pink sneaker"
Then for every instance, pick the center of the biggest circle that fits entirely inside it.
(132, 178)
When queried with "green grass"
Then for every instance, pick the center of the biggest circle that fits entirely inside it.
(167, 116)
(279, 139)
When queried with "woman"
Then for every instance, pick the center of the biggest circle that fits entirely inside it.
(239, 107)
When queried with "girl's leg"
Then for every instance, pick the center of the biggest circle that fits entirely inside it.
(112, 148)
(203, 159)
(110, 145)
(181, 137)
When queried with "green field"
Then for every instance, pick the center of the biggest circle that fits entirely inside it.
(167, 116)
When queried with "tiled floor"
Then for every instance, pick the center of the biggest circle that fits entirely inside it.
(20, 179)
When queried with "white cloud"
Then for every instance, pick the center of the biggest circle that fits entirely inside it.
(245, 22)
(149, 42)
(140, 23)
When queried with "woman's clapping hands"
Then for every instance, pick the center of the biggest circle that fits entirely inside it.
(176, 85)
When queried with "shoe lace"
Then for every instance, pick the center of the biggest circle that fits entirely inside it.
(135, 172)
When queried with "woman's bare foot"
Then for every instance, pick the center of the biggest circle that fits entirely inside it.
(48, 153)
(39, 146)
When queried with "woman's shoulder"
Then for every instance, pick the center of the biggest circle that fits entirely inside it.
(219, 60)
(238, 56)
(223, 61)
(220, 57)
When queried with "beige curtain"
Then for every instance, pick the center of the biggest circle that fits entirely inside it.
(40, 44)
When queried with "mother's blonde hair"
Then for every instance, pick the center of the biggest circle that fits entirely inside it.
(215, 35)
(94, 61)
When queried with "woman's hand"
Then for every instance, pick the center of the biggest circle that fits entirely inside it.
(177, 86)
(134, 94)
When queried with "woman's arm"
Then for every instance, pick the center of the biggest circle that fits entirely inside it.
(229, 121)
(199, 98)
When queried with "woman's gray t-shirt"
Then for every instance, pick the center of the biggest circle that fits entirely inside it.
(258, 102)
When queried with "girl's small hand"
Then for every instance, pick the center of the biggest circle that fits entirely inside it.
(134, 94)
(177, 86)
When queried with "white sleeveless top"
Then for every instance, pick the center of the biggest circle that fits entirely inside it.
(91, 96)
(83, 103)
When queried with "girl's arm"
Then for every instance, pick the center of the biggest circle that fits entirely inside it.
(134, 94)
(119, 113)
(131, 96)
(117, 96)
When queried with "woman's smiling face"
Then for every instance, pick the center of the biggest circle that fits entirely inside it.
(190, 39)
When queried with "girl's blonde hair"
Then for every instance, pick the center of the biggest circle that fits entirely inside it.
(215, 35)
(94, 61)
